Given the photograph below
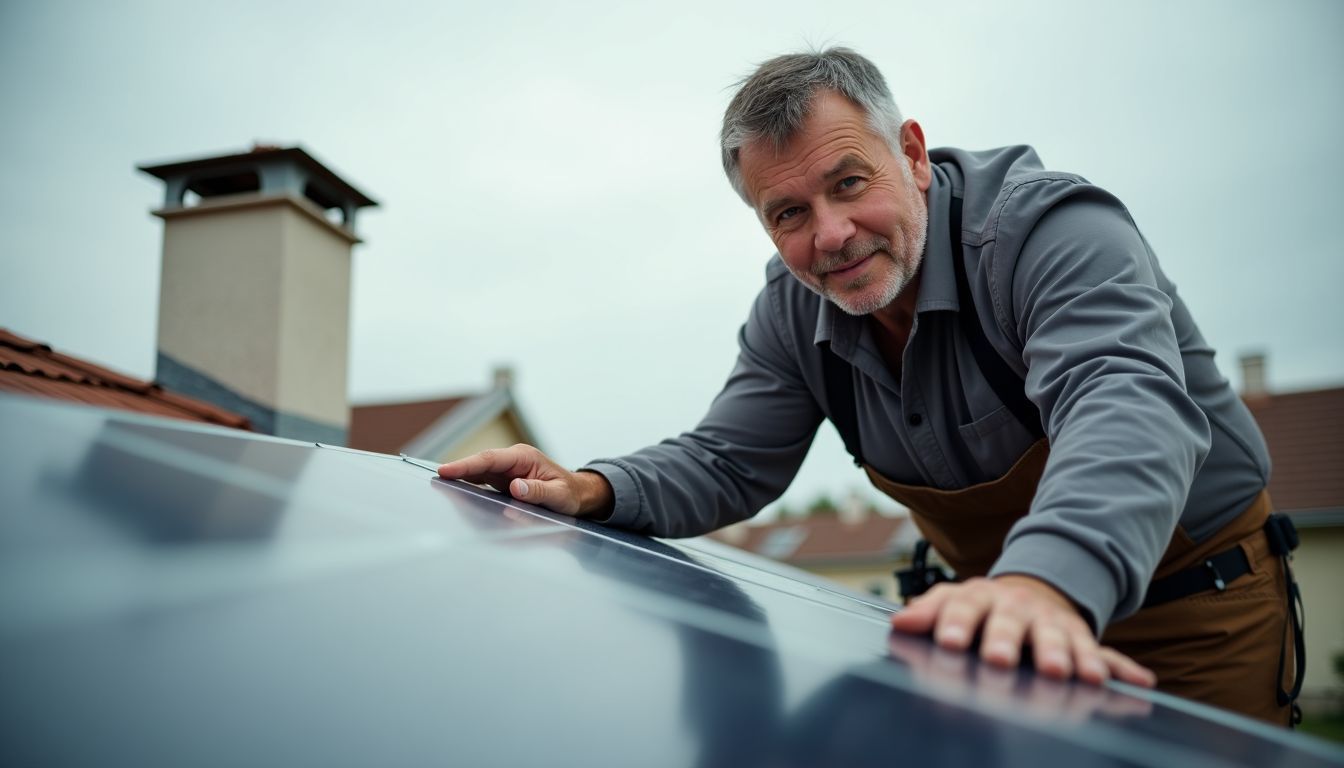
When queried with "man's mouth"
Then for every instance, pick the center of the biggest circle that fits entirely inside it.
(849, 269)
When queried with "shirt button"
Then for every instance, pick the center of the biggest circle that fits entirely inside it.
(916, 419)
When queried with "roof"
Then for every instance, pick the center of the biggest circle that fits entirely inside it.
(296, 155)
(33, 368)
(1305, 432)
(389, 427)
(827, 539)
(428, 428)
(246, 592)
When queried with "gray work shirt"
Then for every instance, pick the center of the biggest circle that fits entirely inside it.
(1144, 431)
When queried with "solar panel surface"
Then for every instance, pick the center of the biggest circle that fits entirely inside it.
(188, 595)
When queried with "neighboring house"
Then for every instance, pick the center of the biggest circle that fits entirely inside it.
(1305, 432)
(443, 429)
(856, 546)
(32, 368)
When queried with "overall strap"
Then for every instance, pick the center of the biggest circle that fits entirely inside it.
(839, 377)
(1007, 385)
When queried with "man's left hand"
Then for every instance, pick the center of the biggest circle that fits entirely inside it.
(1011, 612)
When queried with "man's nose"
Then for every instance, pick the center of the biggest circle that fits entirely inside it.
(831, 228)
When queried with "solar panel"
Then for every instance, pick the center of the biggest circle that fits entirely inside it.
(181, 594)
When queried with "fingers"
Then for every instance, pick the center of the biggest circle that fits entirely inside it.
(920, 616)
(1011, 613)
(962, 615)
(555, 495)
(1050, 650)
(1126, 670)
(1005, 632)
(1087, 660)
(492, 463)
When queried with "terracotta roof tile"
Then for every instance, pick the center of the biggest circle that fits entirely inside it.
(32, 368)
(1305, 432)
(388, 427)
(825, 538)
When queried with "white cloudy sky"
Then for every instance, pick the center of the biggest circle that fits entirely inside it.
(550, 183)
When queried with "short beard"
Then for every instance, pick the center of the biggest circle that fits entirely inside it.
(893, 282)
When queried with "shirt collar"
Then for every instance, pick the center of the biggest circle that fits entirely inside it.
(937, 283)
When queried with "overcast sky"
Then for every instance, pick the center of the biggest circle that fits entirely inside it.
(550, 186)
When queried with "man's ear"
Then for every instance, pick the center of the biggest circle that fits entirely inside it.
(916, 154)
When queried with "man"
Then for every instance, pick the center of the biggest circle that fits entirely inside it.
(1002, 354)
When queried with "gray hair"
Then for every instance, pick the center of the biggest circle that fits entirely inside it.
(773, 102)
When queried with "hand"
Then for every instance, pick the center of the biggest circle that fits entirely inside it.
(1038, 697)
(1010, 612)
(529, 475)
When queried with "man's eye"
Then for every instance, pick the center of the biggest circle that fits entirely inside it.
(788, 213)
(849, 182)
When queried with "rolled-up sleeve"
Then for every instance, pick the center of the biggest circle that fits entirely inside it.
(741, 456)
(1104, 367)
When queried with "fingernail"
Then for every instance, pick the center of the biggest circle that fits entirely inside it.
(522, 487)
(954, 636)
(1000, 649)
(1054, 659)
(1097, 669)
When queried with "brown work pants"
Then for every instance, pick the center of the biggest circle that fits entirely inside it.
(1221, 648)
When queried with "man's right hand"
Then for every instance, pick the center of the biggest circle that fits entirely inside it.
(527, 474)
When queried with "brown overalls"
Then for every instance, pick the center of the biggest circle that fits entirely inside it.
(1219, 647)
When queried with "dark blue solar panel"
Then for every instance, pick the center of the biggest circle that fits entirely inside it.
(172, 594)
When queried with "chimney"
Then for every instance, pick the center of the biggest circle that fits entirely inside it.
(1253, 378)
(254, 306)
(503, 376)
(854, 509)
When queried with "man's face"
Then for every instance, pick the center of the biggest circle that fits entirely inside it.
(847, 215)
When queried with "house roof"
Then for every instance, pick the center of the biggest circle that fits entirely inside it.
(33, 368)
(389, 427)
(1305, 432)
(826, 539)
(428, 428)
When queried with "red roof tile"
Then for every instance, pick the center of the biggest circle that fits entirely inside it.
(825, 538)
(1305, 432)
(388, 427)
(32, 368)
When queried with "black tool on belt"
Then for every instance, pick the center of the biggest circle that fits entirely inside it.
(1282, 541)
(1216, 572)
(920, 576)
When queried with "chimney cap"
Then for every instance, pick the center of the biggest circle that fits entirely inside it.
(1254, 375)
(260, 153)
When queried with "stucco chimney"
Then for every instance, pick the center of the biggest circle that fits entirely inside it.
(854, 509)
(1254, 381)
(254, 308)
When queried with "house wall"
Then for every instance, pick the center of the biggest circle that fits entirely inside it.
(1318, 565)
(219, 303)
(499, 432)
(312, 366)
(868, 579)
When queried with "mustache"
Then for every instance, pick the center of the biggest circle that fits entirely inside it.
(853, 251)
